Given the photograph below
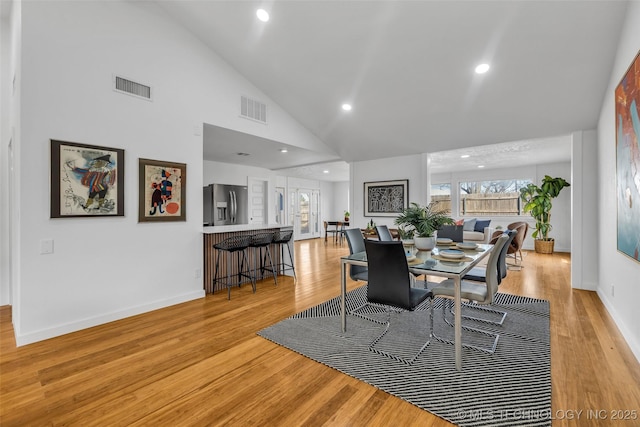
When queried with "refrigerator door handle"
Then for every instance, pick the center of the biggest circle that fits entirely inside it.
(232, 195)
(235, 207)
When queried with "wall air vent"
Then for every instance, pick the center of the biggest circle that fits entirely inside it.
(130, 87)
(252, 109)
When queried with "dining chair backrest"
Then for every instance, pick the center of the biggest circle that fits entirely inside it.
(502, 261)
(453, 232)
(384, 235)
(356, 244)
(492, 273)
(389, 281)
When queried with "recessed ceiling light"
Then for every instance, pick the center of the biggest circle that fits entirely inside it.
(325, 171)
(482, 68)
(283, 150)
(480, 166)
(262, 15)
(465, 156)
(242, 154)
(346, 107)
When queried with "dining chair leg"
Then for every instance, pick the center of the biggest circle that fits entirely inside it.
(493, 335)
(473, 306)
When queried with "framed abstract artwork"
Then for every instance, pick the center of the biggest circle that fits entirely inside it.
(162, 195)
(86, 180)
(627, 101)
(386, 198)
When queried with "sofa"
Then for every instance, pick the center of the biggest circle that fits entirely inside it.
(476, 230)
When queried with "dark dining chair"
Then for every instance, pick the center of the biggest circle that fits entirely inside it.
(453, 232)
(337, 231)
(389, 288)
(384, 235)
(480, 293)
(355, 240)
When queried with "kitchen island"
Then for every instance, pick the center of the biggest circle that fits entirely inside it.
(215, 234)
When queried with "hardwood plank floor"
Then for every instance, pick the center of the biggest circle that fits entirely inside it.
(201, 362)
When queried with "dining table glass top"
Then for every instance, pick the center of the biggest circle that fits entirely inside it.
(433, 261)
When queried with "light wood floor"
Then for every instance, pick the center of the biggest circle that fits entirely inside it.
(201, 362)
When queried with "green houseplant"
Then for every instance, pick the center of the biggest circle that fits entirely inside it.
(346, 216)
(538, 202)
(425, 221)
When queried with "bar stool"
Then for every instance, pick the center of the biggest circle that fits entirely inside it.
(259, 241)
(230, 245)
(282, 239)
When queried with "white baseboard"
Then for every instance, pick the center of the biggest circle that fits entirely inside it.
(624, 330)
(66, 328)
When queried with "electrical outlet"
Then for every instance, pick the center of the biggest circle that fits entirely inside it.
(198, 273)
(612, 290)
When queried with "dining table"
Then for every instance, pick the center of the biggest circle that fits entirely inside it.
(431, 263)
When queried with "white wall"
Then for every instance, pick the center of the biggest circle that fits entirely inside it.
(340, 191)
(616, 269)
(584, 210)
(108, 268)
(230, 174)
(5, 136)
(391, 169)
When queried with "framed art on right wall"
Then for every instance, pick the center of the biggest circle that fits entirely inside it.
(627, 100)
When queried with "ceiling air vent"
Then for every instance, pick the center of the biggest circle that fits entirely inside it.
(130, 87)
(252, 109)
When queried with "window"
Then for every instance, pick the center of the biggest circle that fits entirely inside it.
(491, 198)
(441, 196)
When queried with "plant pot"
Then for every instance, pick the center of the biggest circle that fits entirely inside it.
(346, 219)
(543, 246)
(425, 243)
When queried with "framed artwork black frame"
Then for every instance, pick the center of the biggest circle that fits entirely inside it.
(386, 198)
(86, 180)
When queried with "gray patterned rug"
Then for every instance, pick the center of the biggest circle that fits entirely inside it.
(507, 388)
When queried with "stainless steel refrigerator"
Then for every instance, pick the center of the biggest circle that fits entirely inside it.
(225, 204)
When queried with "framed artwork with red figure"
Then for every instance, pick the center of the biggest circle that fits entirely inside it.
(162, 194)
(627, 100)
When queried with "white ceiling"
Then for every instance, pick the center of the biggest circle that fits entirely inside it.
(504, 155)
(407, 68)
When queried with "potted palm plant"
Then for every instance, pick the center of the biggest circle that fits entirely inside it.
(538, 202)
(425, 220)
(346, 216)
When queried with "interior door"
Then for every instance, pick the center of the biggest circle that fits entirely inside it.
(257, 201)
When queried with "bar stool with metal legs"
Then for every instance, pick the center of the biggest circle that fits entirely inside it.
(231, 245)
(282, 239)
(261, 241)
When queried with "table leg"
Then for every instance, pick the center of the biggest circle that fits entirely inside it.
(458, 323)
(343, 294)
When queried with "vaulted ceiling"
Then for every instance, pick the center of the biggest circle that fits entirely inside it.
(407, 67)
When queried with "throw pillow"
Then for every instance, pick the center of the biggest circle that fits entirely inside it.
(460, 222)
(469, 224)
(480, 225)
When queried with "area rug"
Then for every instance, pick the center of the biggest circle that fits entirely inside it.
(507, 388)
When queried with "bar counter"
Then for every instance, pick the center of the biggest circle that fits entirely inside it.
(215, 234)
